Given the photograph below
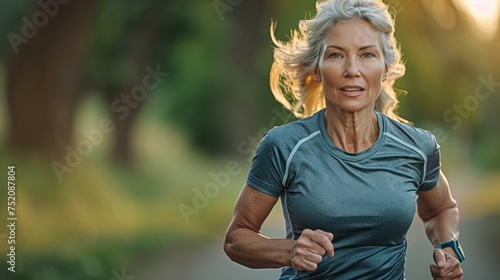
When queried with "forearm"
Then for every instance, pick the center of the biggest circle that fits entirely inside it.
(255, 250)
(443, 226)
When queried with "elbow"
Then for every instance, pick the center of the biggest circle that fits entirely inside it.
(229, 248)
(454, 209)
(234, 252)
(231, 253)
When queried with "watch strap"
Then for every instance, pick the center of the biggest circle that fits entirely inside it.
(455, 245)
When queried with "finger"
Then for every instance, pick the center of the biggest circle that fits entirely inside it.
(307, 249)
(323, 239)
(449, 271)
(436, 272)
(309, 263)
(451, 259)
(456, 273)
(317, 249)
(328, 234)
(439, 258)
(452, 267)
(309, 266)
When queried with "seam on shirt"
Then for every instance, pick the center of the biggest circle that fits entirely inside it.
(289, 228)
(413, 148)
(289, 160)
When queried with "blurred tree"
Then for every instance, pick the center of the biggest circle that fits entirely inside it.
(124, 46)
(44, 76)
(222, 107)
(219, 54)
(11, 13)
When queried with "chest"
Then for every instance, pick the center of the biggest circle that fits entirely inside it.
(372, 199)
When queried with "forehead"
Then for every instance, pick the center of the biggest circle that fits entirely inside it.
(356, 32)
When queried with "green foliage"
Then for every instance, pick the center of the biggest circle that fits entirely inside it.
(218, 102)
(114, 37)
(11, 13)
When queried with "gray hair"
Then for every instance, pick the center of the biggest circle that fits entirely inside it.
(291, 77)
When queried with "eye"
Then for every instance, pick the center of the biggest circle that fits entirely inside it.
(368, 55)
(335, 55)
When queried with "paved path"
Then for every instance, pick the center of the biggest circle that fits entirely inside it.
(208, 261)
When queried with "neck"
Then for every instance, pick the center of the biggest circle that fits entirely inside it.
(352, 132)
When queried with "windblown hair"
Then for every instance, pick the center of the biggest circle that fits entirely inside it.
(292, 73)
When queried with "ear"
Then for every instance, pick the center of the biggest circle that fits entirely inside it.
(317, 75)
(384, 76)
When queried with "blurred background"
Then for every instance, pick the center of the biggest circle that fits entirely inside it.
(131, 126)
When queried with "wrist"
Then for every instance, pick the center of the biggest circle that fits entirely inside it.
(453, 247)
(289, 253)
(450, 251)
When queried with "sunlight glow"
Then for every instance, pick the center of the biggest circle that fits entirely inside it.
(484, 13)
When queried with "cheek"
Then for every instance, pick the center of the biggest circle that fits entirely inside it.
(330, 71)
(376, 74)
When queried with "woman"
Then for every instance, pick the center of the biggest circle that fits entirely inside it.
(350, 174)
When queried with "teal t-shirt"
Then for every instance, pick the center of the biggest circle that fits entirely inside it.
(367, 200)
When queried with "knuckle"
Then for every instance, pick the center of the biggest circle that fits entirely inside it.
(322, 251)
(325, 240)
(439, 273)
(300, 252)
(302, 242)
(318, 259)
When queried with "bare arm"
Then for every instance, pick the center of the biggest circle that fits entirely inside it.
(245, 245)
(439, 212)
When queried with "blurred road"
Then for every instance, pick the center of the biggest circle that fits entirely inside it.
(208, 261)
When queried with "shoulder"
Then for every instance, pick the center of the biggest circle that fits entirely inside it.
(292, 133)
(411, 135)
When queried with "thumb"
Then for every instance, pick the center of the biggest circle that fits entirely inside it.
(439, 258)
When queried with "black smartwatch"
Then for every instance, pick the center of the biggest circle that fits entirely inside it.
(456, 247)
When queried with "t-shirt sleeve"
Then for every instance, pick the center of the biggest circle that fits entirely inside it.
(268, 165)
(433, 164)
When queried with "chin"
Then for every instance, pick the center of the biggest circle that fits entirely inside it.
(353, 108)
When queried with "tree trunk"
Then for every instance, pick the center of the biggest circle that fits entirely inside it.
(140, 56)
(251, 35)
(44, 78)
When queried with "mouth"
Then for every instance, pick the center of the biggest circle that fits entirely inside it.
(352, 91)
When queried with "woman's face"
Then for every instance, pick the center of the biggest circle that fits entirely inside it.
(352, 67)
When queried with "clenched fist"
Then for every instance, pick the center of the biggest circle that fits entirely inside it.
(446, 266)
(309, 249)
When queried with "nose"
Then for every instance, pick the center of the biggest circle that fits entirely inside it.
(351, 68)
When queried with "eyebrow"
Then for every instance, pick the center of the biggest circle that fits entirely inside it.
(362, 48)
